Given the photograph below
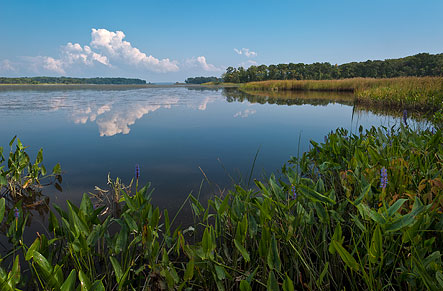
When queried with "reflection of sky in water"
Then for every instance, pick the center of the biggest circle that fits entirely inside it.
(171, 132)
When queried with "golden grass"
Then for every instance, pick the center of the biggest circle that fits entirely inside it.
(419, 93)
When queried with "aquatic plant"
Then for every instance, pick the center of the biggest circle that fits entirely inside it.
(341, 231)
(383, 178)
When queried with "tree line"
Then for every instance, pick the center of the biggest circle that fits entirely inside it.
(69, 80)
(419, 65)
(201, 80)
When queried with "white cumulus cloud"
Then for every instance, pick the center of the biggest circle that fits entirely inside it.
(247, 52)
(6, 65)
(54, 65)
(203, 64)
(75, 52)
(113, 45)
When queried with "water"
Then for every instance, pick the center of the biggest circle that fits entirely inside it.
(179, 136)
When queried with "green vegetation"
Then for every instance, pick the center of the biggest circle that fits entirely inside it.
(201, 80)
(419, 65)
(360, 211)
(422, 94)
(68, 80)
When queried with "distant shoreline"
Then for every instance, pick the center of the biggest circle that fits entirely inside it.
(103, 86)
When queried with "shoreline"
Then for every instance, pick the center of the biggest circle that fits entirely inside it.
(105, 86)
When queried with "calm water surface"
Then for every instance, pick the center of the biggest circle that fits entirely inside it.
(174, 134)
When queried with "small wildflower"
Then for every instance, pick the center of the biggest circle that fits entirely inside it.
(294, 193)
(383, 178)
(16, 213)
(405, 117)
(137, 171)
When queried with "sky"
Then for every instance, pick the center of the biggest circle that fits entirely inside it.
(169, 41)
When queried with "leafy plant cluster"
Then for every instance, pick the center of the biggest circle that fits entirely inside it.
(359, 211)
(419, 65)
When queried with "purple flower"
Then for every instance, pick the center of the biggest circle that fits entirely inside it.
(405, 117)
(294, 194)
(16, 213)
(137, 171)
(383, 178)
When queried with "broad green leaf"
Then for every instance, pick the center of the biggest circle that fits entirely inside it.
(85, 283)
(57, 169)
(272, 282)
(288, 285)
(14, 275)
(314, 195)
(346, 256)
(43, 263)
(242, 250)
(244, 286)
(323, 274)
(376, 249)
(97, 286)
(439, 277)
(224, 205)
(2, 207)
(12, 141)
(69, 284)
(35, 245)
(337, 236)
(3, 180)
(365, 211)
(189, 272)
(396, 206)
(53, 222)
(220, 271)
(130, 222)
(117, 269)
(122, 239)
(86, 205)
(408, 219)
(273, 258)
(363, 194)
(79, 225)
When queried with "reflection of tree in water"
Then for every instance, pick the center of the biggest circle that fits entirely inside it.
(288, 97)
(202, 88)
(315, 98)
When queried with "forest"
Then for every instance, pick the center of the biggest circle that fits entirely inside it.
(68, 80)
(419, 65)
(201, 80)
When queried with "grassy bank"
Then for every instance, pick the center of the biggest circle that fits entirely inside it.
(423, 94)
(359, 211)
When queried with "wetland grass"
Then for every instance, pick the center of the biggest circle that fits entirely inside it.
(418, 93)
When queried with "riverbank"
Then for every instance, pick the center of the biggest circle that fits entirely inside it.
(421, 94)
(362, 210)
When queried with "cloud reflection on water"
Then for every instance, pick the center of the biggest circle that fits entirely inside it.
(114, 111)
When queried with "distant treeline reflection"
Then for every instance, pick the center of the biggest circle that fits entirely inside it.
(288, 97)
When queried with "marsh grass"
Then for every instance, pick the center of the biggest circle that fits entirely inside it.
(419, 93)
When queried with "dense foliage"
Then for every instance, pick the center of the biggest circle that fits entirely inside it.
(201, 80)
(419, 65)
(360, 211)
(69, 80)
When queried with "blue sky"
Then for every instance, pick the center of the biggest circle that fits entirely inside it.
(173, 40)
